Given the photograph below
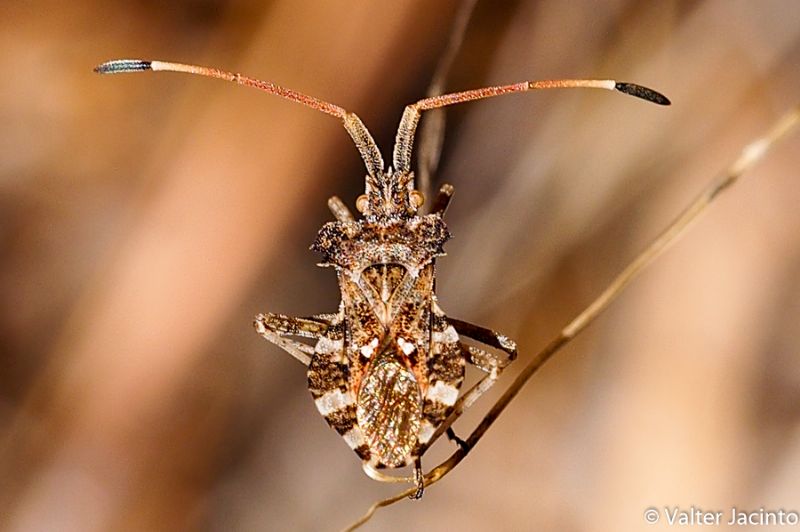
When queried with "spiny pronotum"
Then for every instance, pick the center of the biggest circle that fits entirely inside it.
(385, 370)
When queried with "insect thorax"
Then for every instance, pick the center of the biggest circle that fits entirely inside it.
(412, 242)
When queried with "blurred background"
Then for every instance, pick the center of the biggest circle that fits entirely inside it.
(145, 220)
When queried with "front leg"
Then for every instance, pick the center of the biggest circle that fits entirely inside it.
(276, 328)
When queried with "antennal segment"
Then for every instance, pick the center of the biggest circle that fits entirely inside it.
(361, 136)
(408, 124)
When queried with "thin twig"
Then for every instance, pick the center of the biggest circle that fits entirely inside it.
(749, 156)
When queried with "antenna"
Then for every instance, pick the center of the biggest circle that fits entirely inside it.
(408, 124)
(354, 126)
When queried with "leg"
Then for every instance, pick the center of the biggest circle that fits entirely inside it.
(339, 209)
(442, 199)
(451, 435)
(484, 360)
(374, 474)
(275, 328)
(491, 364)
(485, 336)
(419, 479)
(311, 327)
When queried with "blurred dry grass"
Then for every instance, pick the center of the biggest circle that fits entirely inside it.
(145, 219)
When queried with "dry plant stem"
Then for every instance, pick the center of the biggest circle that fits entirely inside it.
(750, 155)
(432, 131)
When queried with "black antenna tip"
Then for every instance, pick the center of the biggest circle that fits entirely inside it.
(122, 65)
(642, 92)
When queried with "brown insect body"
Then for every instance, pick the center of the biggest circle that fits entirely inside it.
(399, 368)
(385, 370)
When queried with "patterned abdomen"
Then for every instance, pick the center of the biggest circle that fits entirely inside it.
(389, 411)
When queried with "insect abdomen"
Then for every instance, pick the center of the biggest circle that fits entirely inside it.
(389, 411)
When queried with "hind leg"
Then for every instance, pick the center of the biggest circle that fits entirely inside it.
(486, 337)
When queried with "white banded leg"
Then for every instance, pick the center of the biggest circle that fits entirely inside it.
(276, 328)
(485, 336)
(375, 474)
(417, 479)
(489, 363)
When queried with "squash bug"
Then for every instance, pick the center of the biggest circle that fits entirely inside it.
(386, 370)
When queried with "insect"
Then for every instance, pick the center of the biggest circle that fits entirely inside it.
(386, 370)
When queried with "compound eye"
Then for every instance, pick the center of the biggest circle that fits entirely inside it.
(417, 198)
(362, 203)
